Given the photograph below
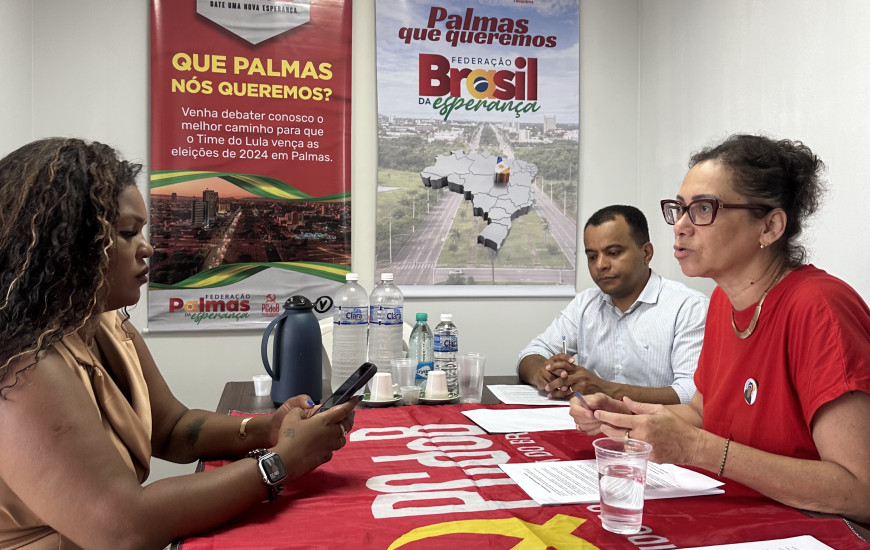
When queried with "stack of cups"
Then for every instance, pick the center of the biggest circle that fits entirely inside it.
(382, 387)
(404, 371)
(436, 385)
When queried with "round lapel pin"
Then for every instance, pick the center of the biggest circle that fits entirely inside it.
(750, 390)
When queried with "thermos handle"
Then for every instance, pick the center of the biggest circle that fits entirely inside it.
(264, 345)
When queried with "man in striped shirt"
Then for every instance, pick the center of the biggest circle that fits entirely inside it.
(636, 334)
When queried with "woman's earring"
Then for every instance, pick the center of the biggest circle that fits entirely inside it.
(763, 245)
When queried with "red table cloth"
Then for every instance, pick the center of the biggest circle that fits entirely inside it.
(426, 477)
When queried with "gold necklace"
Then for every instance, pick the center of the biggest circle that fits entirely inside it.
(744, 334)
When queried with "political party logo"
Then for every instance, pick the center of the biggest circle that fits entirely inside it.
(212, 307)
(557, 532)
(271, 307)
(494, 84)
(485, 82)
(439, 77)
(323, 304)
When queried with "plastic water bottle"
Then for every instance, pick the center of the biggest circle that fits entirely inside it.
(446, 346)
(385, 323)
(350, 322)
(420, 348)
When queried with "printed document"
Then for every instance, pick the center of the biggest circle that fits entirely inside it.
(506, 421)
(576, 481)
(804, 542)
(523, 394)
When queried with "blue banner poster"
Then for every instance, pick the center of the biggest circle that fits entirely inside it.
(478, 129)
(250, 159)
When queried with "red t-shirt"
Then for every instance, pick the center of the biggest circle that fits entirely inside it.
(810, 346)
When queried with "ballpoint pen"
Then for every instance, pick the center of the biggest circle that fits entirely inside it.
(583, 402)
(564, 346)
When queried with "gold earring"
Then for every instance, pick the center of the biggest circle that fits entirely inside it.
(763, 245)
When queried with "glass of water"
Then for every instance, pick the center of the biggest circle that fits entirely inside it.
(621, 479)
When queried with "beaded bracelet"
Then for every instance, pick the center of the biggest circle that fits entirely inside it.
(724, 456)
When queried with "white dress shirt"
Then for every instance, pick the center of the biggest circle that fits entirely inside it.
(654, 344)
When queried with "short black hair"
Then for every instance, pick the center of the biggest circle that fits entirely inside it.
(633, 217)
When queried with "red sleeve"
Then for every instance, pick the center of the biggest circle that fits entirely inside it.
(829, 342)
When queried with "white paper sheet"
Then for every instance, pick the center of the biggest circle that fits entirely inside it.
(505, 421)
(523, 394)
(804, 542)
(576, 481)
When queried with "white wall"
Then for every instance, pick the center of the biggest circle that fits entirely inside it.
(659, 78)
(792, 69)
(16, 66)
(609, 120)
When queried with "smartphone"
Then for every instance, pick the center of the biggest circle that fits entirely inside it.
(349, 387)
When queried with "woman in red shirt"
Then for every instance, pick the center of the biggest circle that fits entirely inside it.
(783, 380)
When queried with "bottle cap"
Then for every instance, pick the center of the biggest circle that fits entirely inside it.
(447, 317)
(386, 276)
(351, 277)
(422, 317)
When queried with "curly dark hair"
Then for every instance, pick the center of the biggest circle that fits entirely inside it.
(58, 208)
(779, 173)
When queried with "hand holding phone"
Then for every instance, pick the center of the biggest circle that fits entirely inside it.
(349, 387)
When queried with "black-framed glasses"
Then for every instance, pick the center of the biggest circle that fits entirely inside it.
(701, 211)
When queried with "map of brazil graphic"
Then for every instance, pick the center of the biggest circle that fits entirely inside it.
(501, 190)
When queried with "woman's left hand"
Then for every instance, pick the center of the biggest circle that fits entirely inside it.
(674, 440)
(298, 402)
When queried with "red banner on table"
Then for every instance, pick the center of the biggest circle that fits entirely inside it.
(250, 158)
(427, 477)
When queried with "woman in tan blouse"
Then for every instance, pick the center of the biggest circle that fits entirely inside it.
(83, 406)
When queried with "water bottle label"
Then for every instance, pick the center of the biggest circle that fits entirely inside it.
(446, 343)
(349, 315)
(381, 315)
(423, 369)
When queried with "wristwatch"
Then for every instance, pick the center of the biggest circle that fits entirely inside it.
(272, 470)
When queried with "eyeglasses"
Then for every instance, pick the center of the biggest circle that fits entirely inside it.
(701, 211)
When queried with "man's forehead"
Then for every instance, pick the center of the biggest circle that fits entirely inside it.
(615, 232)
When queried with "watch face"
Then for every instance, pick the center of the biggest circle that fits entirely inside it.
(274, 469)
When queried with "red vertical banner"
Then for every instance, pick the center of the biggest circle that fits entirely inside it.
(250, 158)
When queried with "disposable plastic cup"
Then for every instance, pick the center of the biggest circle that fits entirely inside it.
(382, 387)
(262, 384)
(471, 367)
(410, 395)
(436, 385)
(621, 478)
(403, 371)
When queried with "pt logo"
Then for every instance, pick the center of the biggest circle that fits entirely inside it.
(323, 304)
(555, 533)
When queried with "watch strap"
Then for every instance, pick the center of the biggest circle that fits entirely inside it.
(260, 455)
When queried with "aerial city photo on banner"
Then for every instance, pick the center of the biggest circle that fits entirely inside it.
(250, 159)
